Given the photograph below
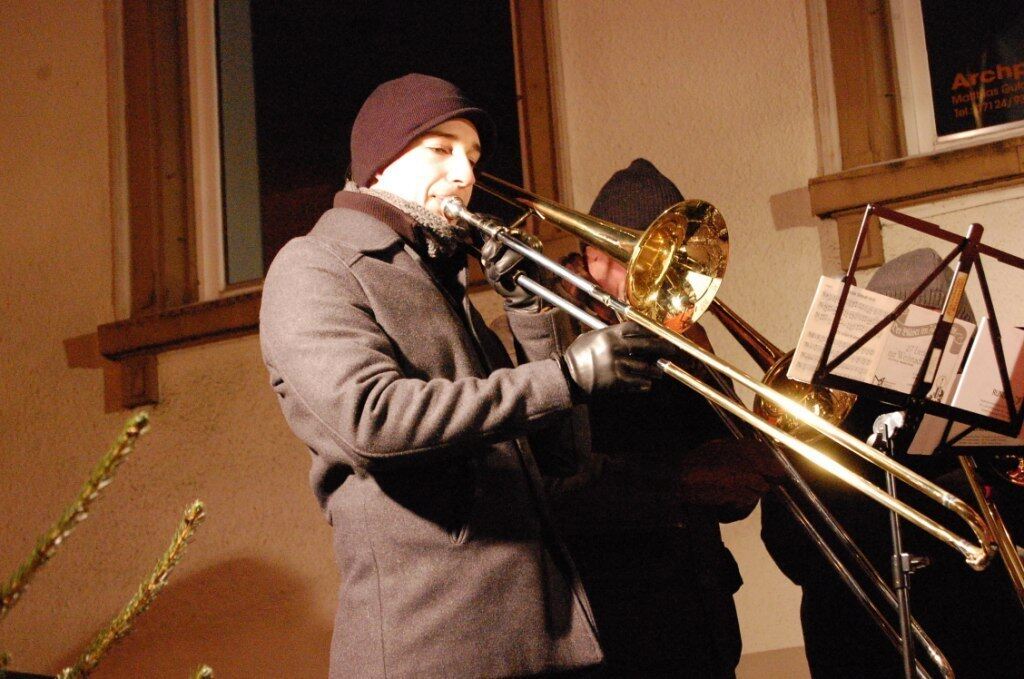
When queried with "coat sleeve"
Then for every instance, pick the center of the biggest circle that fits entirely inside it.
(540, 335)
(342, 388)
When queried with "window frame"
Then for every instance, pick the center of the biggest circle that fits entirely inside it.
(883, 175)
(209, 309)
(918, 112)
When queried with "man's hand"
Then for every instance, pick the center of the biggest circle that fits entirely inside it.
(619, 358)
(729, 473)
(500, 263)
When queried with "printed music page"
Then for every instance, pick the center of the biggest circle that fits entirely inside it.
(863, 309)
(893, 358)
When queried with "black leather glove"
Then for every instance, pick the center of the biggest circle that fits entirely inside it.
(619, 358)
(500, 262)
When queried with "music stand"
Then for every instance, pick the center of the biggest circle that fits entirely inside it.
(969, 248)
(967, 252)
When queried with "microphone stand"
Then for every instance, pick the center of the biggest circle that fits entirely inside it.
(886, 428)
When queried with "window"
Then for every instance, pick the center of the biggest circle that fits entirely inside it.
(196, 227)
(961, 71)
(288, 80)
(876, 87)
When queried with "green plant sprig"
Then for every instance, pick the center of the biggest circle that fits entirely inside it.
(144, 596)
(48, 542)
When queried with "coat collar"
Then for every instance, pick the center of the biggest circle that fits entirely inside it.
(357, 230)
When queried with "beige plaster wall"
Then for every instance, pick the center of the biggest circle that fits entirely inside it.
(719, 96)
(254, 593)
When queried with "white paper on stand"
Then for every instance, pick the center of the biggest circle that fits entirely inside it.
(861, 312)
(981, 390)
(892, 358)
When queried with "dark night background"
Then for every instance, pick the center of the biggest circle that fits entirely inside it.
(315, 62)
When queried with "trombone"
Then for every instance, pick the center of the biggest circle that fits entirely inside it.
(674, 269)
(667, 288)
(769, 353)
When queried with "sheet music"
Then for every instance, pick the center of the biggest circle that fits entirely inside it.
(863, 309)
(892, 358)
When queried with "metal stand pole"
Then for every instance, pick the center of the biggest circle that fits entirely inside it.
(903, 564)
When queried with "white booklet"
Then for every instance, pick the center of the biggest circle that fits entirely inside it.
(890, 359)
(981, 393)
(981, 390)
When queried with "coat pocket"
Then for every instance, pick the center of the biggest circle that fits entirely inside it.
(443, 497)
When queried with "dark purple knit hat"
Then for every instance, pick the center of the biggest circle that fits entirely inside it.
(633, 197)
(402, 109)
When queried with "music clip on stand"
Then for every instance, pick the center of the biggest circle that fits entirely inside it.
(967, 252)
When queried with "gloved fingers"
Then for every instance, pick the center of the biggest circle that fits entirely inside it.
(646, 346)
(649, 348)
(631, 382)
(507, 262)
(490, 250)
(632, 329)
(630, 366)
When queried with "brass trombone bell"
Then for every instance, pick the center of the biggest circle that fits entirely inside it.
(677, 264)
(673, 268)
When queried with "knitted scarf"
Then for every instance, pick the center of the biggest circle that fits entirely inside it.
(443, 239)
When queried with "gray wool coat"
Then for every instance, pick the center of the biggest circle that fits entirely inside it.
(449, 567)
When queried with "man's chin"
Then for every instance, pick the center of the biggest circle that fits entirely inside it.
(434, 208)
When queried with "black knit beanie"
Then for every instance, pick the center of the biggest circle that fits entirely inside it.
(399, 111)
(635, 196)
(899, 277)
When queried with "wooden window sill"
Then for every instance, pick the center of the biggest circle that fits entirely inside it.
(180, 327)
(127, 350)
(908, 181)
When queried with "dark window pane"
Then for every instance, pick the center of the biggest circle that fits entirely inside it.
(976, 60)
(313, 64)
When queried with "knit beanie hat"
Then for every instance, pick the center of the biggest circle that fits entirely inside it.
(399, 111)
(633, 197)
(899, 277)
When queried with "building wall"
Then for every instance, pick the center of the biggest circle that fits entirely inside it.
(718, 95)
(254, 594)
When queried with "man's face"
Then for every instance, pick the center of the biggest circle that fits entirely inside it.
(435, 166)
(607, 272)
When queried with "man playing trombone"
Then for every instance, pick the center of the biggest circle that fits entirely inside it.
(414, 418)
(642, 517)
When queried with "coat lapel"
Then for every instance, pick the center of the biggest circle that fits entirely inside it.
(364, 235)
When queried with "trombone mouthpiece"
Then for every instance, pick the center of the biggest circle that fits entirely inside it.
(452, 207)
